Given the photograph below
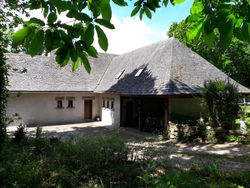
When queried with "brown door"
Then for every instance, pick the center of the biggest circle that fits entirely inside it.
(87, 109)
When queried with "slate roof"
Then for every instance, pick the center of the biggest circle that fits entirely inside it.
(169, 68)
(43, 74)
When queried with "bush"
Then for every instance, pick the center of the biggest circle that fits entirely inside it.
(220, 101)
(19, 135)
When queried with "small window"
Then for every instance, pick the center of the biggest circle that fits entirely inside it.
(119, 74)
(59, 104)
(108, 103)
(139, 72)
(70, 103)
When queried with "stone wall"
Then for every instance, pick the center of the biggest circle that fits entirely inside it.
(177, 132)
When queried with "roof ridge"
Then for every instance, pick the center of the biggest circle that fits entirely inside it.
(99, 81)
(171, 63)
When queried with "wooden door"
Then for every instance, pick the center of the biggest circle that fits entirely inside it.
(87, 109)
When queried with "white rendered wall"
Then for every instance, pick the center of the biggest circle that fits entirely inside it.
(41, 108)
(110, 116)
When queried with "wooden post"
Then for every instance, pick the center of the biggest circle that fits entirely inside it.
(140, 114)
(166, 114)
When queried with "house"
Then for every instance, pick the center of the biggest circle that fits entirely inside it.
(158, 81)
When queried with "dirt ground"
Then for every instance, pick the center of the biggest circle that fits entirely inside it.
(230, 156)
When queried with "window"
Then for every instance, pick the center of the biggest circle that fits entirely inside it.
(70, 103)
(59, 104)
(139, 72)
(108, 103)
(119, 74)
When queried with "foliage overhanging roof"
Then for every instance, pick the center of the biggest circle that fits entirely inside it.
(169, 68)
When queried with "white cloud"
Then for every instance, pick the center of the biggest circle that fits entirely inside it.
(129, 34)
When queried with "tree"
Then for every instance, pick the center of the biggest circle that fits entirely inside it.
(234, 61)
(8, 19)
(220, 99)
(229, 17)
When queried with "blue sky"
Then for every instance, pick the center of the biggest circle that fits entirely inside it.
(161, 19)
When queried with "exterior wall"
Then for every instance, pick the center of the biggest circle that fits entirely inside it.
(110, 116)
(184, 106)
(41, 108)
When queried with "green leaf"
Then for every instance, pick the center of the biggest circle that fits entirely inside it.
(20, 36)
(85, 61)
(178, 1)
(79, 16)
(194, 30)
(75, 64)
(35, 21)
(106, 10)
(62, 5)
(52, 18)
(105, 23)
(239, 22)
(120, 2)
(48, 40)
(165, 3)
(148, 13)
(197, 8)
(36, 45)
(62, 56)
(209, 39)
(135, 10)
(209, 25)
(141, 14)
(92, 52)
(89, 35)
(73, 54)
(102, 39)
(246, 31)
(46, 11)
(226, 34)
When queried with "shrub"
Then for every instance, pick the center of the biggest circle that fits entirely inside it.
(38, 131)
(19, 134)
(220, 101)
(209, 134)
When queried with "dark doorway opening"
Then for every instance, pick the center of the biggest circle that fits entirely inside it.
(146, 114)
(87, 110)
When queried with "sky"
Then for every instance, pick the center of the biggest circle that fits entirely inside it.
(130, 32)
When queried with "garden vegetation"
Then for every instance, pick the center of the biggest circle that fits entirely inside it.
(99, 162)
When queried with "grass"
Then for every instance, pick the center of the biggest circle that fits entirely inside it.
(99, 162)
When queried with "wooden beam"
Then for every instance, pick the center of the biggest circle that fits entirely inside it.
(166, 114)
